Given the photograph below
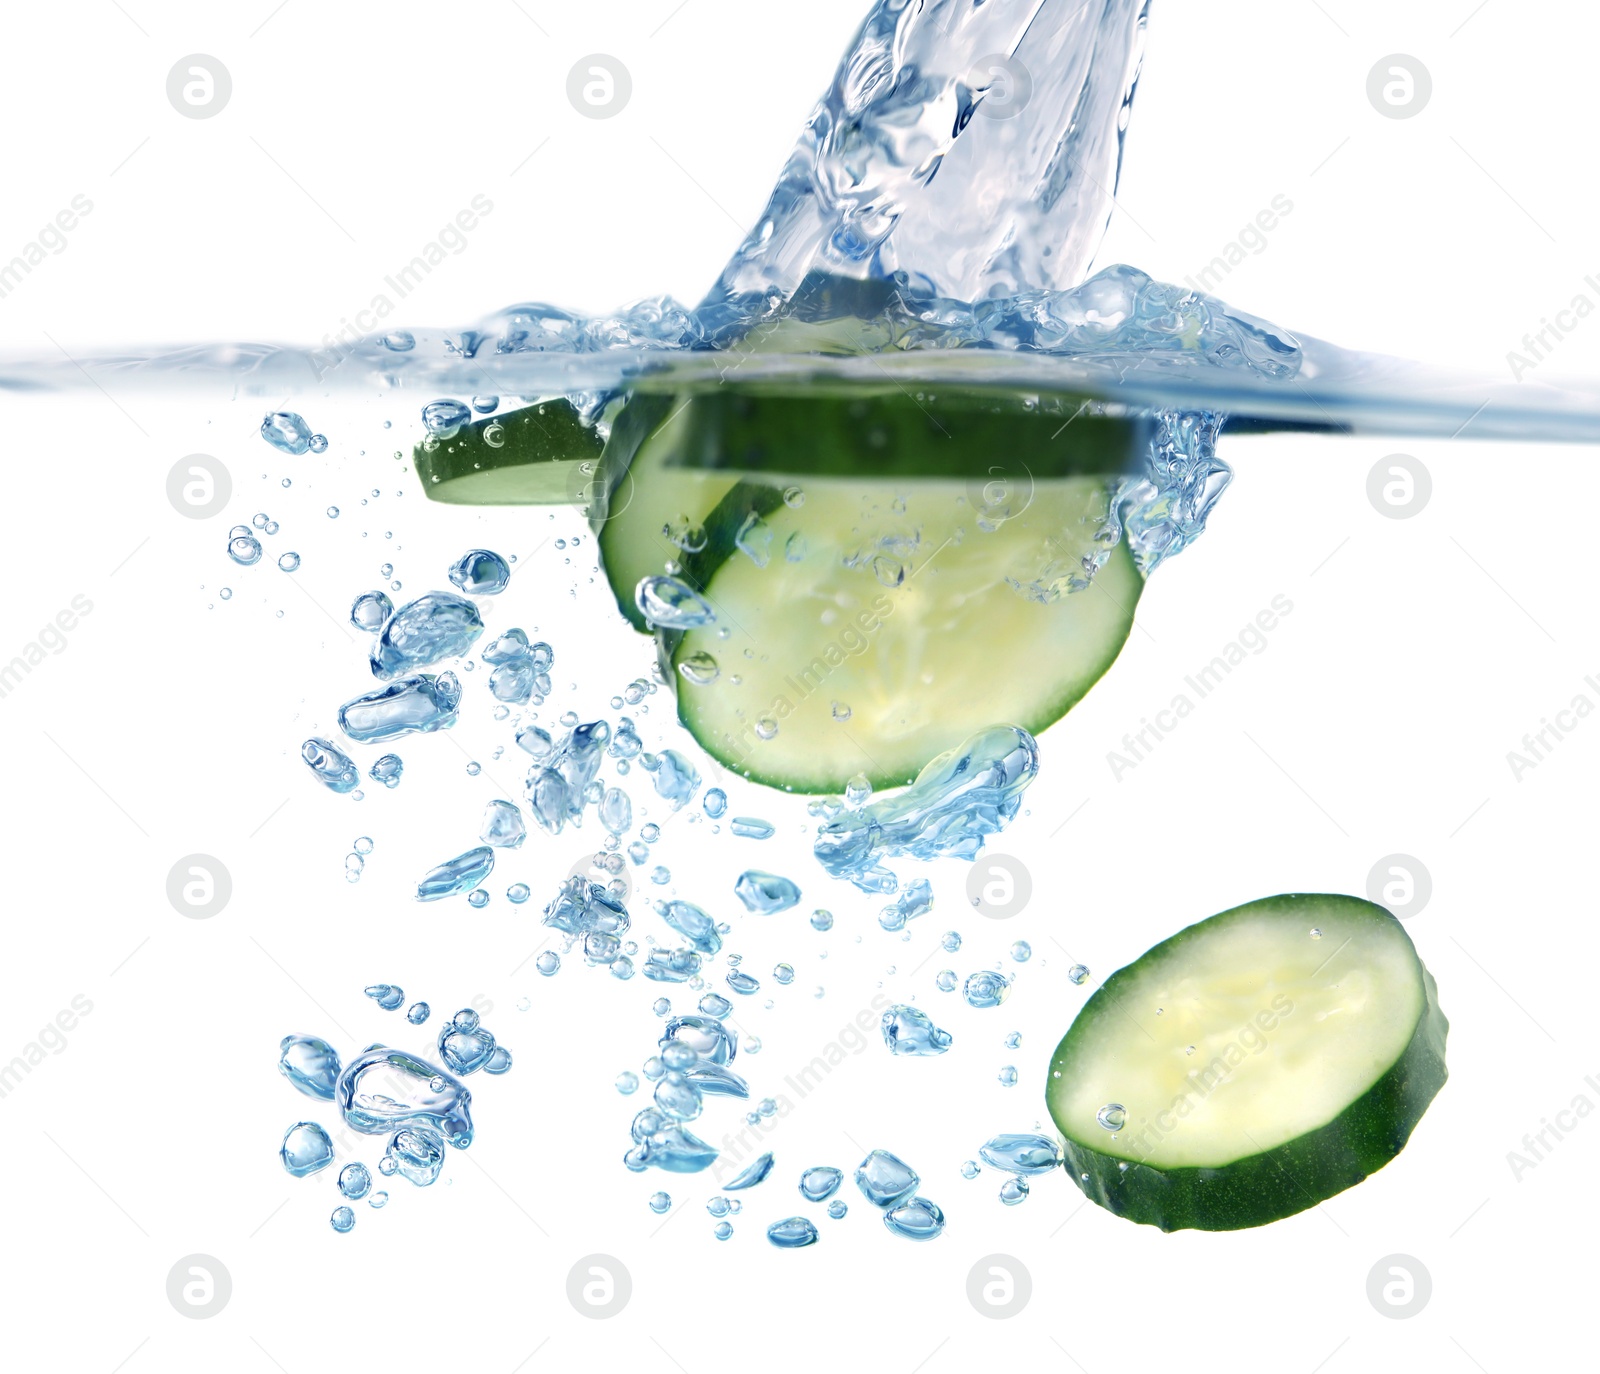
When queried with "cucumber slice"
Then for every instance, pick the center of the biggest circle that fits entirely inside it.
(541, 455)
(1264, 1060)
(888, 624)
(673, 457)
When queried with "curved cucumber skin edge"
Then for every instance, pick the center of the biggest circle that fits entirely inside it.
(547, 440)
(637, 421)
(1294, 1176)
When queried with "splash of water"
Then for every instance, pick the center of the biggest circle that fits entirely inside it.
(971, 146)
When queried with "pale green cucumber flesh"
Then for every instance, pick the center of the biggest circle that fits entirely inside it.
(885, 627)
(1264, 1059)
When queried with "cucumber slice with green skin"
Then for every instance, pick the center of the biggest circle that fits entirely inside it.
(885, 627)
(541, 455)
(1298, 1042)
(673, 457)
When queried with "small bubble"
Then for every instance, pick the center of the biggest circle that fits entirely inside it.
(627, 1082)
(1014, 1191)
(333, 512)
(1113, 1116)
(1078, 974)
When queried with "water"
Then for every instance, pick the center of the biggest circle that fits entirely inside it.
(417, 1153)
(820, 1183)
(694, 924)
(985, 989)
(382, 1089)
(333, 768)
(916, 900)
(503, 826)
(386, 995)
(465, 1046)
(915, 1219)
(793, 1233)
(437, 626)
(355, 1181)
(1022, 1154)
(457, 875)
(480, 572)
(885, 1179)
(669, 603)
(387, 770)
(756, 1172)
(713, 1042)
(766, 893)
(306, 1148)
(419, 704)
(958, 800)
(864, 265)
(311, 1064)
(910, 1031)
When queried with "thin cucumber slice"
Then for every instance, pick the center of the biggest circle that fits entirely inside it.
(674, 456)
(1252, 1066)
(541, 455)
(866, 626)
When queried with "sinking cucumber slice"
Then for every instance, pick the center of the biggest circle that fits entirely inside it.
(673, 457)
(541, 455)
(867, 626)
(1252, 1066)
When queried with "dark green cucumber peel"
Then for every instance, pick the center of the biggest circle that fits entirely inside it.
(1272, 1184)
(538, 461)
(889, 432)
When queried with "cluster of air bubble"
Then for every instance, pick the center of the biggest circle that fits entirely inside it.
(1020, 1158)
(957, 802)
(419, 1107)
(1165, 508)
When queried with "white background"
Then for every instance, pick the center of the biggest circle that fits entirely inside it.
(1378, 720)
